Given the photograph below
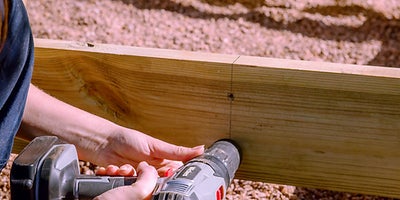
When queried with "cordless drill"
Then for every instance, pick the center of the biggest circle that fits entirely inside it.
(48, 168)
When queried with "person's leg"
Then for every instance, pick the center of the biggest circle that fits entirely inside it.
(16, 62)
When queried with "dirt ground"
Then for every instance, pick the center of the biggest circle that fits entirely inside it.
(343, 31)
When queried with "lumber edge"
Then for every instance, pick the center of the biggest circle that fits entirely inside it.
(305, 110)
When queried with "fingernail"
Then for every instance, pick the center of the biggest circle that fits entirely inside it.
(198, 147)
(143, 163)
(169, 172)
(100, 171)
(124, 168)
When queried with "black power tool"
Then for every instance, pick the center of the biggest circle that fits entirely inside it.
(48, 169)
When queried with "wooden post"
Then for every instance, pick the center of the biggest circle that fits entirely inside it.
(314, 124)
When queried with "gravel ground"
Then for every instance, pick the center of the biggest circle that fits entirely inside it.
(343, 31)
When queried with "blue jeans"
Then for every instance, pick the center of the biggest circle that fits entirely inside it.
(16, 63)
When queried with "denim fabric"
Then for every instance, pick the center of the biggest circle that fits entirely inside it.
(16, 63)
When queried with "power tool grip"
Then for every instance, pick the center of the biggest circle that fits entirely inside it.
(48, 169)
(87, 187)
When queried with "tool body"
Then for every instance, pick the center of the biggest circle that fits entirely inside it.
(49, 169)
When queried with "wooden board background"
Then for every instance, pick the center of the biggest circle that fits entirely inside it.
(169, 94)
(314, 124)
(318, 124)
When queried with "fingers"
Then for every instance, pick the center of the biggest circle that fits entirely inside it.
(126, 170)
(147, 179)
(168, 168)
(100, 171)
(160, 149)
(112, 170)
(141, 189)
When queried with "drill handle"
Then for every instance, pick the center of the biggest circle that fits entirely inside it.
(88, 187)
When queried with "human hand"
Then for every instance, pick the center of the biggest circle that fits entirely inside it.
(113, 170)
(96, 139)
(129, 146)
(129, 170)
(141, 189)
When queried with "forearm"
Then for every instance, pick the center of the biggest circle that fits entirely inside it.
(45, 115)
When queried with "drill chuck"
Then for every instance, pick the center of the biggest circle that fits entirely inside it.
(224, 157)
(205, 177)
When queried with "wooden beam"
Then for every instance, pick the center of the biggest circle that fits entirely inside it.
(177, 96)
(18, 145)
(318, 124)
(315, 124)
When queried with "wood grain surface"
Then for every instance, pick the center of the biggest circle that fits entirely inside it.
(316, 124)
